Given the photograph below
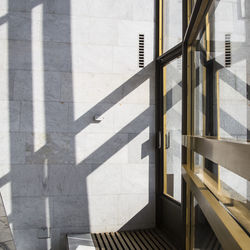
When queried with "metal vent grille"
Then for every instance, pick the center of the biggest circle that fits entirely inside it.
(141, 50)
(228, 58)
(140, 239)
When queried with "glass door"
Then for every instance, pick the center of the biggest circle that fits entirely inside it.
(172, 118)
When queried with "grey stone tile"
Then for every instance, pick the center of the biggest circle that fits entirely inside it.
(135, 28)
(125, 59)
(23, 85)
(4, 59)
(19, 26)
(12, 147)
(100, 148)
(7, 84)
(93, 58)
(17, 5)
(30, 86)
(141, 148)
(142, 94)
(59, 149)
(118, 9)
(70, 211)
(27, 240)
(131, 118)
(57, 28)
(29, 212)
(69, 180)
(136, 209)
(55, 116)
(138, 179)
(99, 213)
(84, 114)
(73, 8)
(80, 29)
(103, 31)
(143, 10)
(19, 55)
(57, 56)
(28, 180)
(105, 179)
(10, 120)
(106, 88)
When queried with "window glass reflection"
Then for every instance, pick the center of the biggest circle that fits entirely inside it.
(172, 123)
(231, 189)
(222, 73)
(172, 23)
(203, 236)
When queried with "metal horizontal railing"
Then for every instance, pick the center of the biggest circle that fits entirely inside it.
(227, 230)
(232, 155)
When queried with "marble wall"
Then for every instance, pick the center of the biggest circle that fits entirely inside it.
(62, 63)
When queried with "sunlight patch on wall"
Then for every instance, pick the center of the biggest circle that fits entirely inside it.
(4, 5)
(141, 95)
(5, 113)
(130, 206)
(4, 81)
(5, 149)
(37, 77)
(139, 148)
(98, 148)
(132, 118)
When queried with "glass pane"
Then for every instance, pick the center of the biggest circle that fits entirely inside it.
(221, 74)
(203, 236)
(172, 23)
(193, 2)
(231, 189)
(172, 123)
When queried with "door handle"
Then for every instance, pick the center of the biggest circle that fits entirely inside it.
(167, 138)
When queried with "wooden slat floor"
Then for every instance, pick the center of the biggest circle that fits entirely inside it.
(139, 239)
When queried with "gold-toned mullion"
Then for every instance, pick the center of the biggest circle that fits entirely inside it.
(164, 130)
(207, 37)
(193, 30)
(193, 84)
(189, 10)
(160, 27)
(210, 205)
(218, 120)
(189, 132)
(189, 100)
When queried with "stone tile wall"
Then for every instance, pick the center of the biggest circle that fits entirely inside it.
(62, 63)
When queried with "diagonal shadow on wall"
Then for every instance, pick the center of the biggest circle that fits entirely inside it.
(50, 193)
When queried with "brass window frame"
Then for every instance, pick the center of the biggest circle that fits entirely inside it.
(228, 231)
(161, 61)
